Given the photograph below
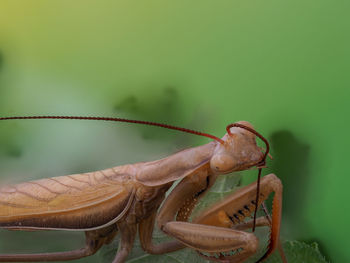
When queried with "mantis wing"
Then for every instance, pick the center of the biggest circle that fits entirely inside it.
(72, 202)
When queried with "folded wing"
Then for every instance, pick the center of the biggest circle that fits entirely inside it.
(79, 201)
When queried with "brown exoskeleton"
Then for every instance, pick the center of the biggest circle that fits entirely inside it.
(126, 199)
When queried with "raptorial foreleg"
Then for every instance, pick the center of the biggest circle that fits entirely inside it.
(213, 231)
(231, 212)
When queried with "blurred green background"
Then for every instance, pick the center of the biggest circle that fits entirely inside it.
(282, 65)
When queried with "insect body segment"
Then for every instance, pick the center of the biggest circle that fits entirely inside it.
(127, 198)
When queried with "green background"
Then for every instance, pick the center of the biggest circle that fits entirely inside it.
(282, 65)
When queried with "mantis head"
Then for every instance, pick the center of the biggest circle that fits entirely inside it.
(238, 150)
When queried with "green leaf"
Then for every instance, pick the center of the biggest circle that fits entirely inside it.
(299, 252)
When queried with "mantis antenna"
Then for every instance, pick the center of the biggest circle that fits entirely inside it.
(116, 120)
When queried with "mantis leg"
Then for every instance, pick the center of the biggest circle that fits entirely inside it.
(176, 202)
(128, 233)
(92, 245)
(179, 200)
(212, 231)
(227, 245)
(145, 233)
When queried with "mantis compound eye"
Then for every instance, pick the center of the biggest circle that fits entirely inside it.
(222, 163)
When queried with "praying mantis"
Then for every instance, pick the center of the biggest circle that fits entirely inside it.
(130, 198)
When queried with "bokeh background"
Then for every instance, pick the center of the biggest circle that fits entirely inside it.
(282, 65)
